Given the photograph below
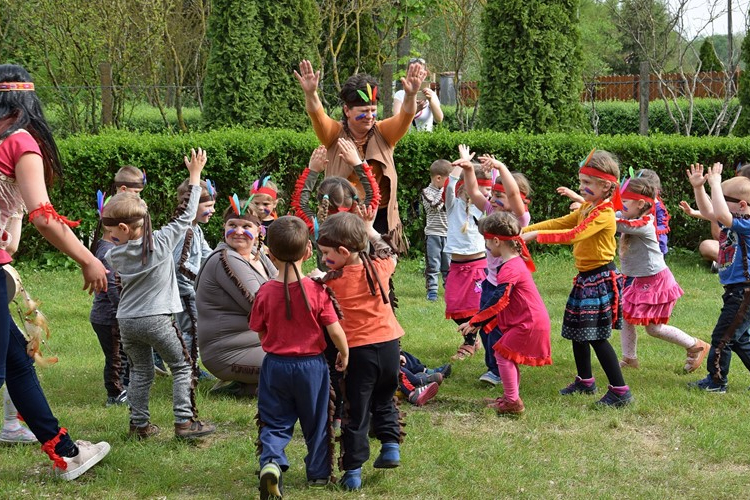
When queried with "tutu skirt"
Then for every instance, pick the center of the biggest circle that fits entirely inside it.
(650, 299)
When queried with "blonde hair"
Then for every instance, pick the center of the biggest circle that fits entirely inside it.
(125, 206)
(440, 167)
(607, 163)
(128, 174)
(737, 187)
(651, 176)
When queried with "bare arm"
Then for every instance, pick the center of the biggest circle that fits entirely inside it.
(722, 215)
(697, 180)
(517, 206)
(339, 340)
(432, 98)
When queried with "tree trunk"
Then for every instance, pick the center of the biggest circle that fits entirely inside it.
(643, 97)
(105, 78)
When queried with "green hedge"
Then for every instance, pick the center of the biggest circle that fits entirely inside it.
(237, 156)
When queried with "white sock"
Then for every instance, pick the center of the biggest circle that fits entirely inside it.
(671, 334)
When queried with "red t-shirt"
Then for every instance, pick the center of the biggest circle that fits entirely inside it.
(12, 148)
(303, 334)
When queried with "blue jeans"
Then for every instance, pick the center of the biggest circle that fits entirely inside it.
(489, 339)
(739, 341)
(17, 369)
(435, 261)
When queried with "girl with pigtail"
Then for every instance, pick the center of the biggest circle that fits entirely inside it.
(465, 245)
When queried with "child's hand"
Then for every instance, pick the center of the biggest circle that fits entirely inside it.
(489, 162)
(464, 164)
(713, 176)
(315, 274)
(341, 362)
(695, 175)
(689, 211)
(196, 163)
(368, 214)
(402, 359)
(466, 328)
(318, 159)
(349, 152)
(465, 153)
(574, 206)
(563, 191)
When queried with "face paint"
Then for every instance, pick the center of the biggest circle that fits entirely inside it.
(248, 234)
(207, 213)
(499, 203)
(588, 191)
(116, 240)
(330, 262)
(361, 117)
(229, 233)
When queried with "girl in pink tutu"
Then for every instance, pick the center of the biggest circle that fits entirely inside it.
(650, 289)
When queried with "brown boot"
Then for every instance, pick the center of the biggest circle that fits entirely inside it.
(507, 407)
(629, 363)
(193, 429)
(143, 432)
(696, 355)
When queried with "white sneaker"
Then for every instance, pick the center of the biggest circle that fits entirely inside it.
(89, 454)
(490, 378)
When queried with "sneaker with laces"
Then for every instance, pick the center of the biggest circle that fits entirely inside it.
(615, 400)
(270, 481)
(507, 407)
(490, 378)
(19, 435)
(119, 400)
(578, 386)
(352, 479)
(193, 429)
(143, 431)
(389, 458)
(421, 395)
(707, 384)
(445, 370)
(89, 454)
(426, 378)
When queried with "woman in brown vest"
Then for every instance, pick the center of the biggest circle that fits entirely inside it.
(374, 139)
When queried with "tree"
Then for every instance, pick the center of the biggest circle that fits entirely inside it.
(743, 93)
(531, 66)
(709, 59)
(234, 82)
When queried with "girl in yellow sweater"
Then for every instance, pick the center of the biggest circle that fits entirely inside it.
(594, 306)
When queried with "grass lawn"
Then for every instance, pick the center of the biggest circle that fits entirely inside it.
(672, 443)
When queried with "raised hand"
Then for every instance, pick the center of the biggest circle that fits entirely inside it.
(308, 78)
(415, 75)
(318, 159)
(464, 152)
(688, 210)
(197, 161)
(349, 152)
(695, 175)
(713, 175)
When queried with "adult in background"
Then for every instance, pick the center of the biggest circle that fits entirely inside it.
(225, 289)
(374, 139)
(429, 111)
(29, 160)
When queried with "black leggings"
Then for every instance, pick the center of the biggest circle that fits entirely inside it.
(606, 355)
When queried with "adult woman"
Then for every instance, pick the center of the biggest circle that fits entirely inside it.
(428, 112)
(28, 160)
(225, 289)
(375, 140)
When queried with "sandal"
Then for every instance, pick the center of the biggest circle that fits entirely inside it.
(629, 363)
(464, 351)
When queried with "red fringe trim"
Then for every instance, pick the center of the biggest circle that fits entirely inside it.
(49, 449)
(644, 321)
(569, 235)
(461, 314)
(48, 210)
(616, 303)
(296, 204)
(375, 202)
(488, 327)
(520, 358)
(492, 311)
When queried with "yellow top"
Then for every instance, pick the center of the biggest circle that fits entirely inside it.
(590, 229)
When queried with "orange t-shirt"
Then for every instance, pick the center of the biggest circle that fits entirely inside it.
(367, 320)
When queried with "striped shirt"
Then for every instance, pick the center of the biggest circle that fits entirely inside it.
(437, 218)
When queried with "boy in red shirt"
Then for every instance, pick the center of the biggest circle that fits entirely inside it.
(294, 379)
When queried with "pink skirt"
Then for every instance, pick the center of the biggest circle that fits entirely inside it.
(650, 299)
(463, 288)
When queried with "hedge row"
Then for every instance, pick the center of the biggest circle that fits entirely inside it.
(238, 156)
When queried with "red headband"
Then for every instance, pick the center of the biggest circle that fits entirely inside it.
(499, 187)
(630, 195)
(481, 182)
(265, 190)
(525, 255)
(593, 172)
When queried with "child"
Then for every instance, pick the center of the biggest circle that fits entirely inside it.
(651, 296)
(190, 252)
(435, 228)
(130, 179)
(594, 306)
(518, 310)
(103, 319)
(510, 192)
(149, 298)
(418, 383)
(334, 193)
(372, 333)
(465, 245)
(264, 195)
(294, 381)
(729, 206)
(662, 215)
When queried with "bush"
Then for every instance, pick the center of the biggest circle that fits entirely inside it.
(237, 156)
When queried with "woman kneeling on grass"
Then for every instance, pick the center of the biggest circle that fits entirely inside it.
(28, 161)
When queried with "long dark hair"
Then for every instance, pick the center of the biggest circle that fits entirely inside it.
(21, 109)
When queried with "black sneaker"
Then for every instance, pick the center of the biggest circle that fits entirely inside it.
(578, 387)
(615, 400)
(445, 370)
(707, 384)
(119, 400)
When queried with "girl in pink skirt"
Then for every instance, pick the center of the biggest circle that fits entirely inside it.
(650, 289)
